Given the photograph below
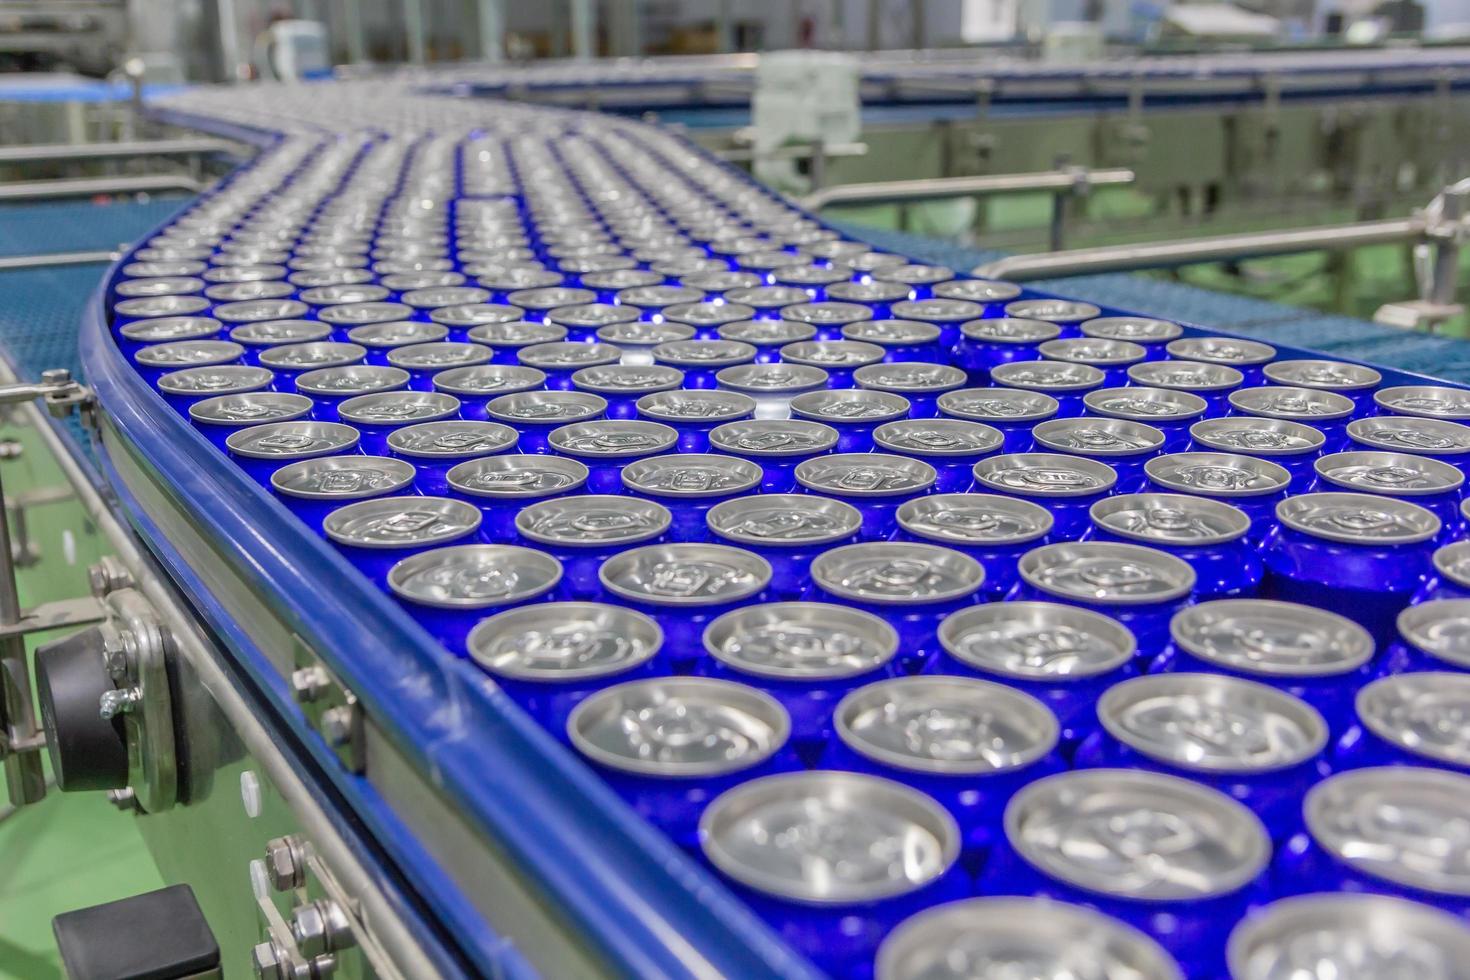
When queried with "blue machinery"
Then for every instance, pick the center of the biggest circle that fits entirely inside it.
(445, 832)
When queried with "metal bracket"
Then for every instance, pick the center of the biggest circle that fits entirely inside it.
(330, 705)
(138, 648)
(320, 930)
(56, 615)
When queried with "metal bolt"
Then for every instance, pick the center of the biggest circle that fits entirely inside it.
(321, 927)
(284, 864)
(310, 683)
(56, 376)
(124, 799)
(119, 702)
(336, 725)
(107, 576)
(266, 961)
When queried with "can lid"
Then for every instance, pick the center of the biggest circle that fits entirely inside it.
(999, 405)
(1217, 474)
(427, 279)
(357, 313)
(801, 641)
(336, 293)
(915, 274)
(773, 437)
(1328, 375)
(549, 297)
(846, 406)
(1107, 573)
(872, 291)
(351, 379)
(401, 522)
(480, 380)
(829, 838)
(171, 328)
(948, 726)
(216, 379)
(167, 306)
(511, 333)
(546, 407)
(231, 292)
(562, 642)
(1098, 437)
(725, 281)
(1389, 474)
(1046, 375)
(317, 354)
(865, 475)
(431, 297)
(809, 275)
(831, 355)
(1425, 437)
(977, 290)
(567, 355)
(1185, 375)
(162, 286)
(767, 333)
(474, 576)
(451, 439)
(475, 314)
(1053, 310)
(691, 475)
(1093, 829)
(708, 313)
(1348, 935)
(1045, 475)
(181, 353)
(940, 437)
(1283, 402)
(704, 354)
(1142, 330)
(1401, 824)
(291, 440)
(679, 727)
(268, 333)
(1256, 436)
(685, 574)
(592, 520)
(342, 477)
(891, 333)
(625, 379)
(1358, 518)
(1145, 404)
(1221, 350)
(996, 938)
(1010, 330)
(516, 477)
(1212, 723)
(937, 310)
(613, 438)
(974, 519)
(1440, 628)
(897, 573)
(1170, 519)
(1453, 561)
(909, 376)
(1271, 639)
(1425, 401)
(392, 408)
(695, 406)
(438, 355)
(783, 520)
(1097, 351)
(1422, 713)
(250, 408)
(761, 379)
(768, 297)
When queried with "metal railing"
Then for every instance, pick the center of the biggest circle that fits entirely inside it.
(49, 190)
(124, 150)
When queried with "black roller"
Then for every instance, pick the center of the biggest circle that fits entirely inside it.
(88, 752)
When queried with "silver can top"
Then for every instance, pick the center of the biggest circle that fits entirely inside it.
(627, 379)
(691, 475)
(551, 408)
(451, 439)
(1399, 433)
(658, 295)
(1053, 310)
(978, 290)
(1037, 641)
(1425, 401)
(679, 727)
(592, 520)
(937, 437)
(250, 408)
(343, 293)
(1328, 375)
(1453, 560)
(897, 573)
(1046, 376)
(1015, 938)
(218, 379)
(357, 313)
(1098, 437)
(1096, 351)
(1170, 519)
(766, 379)
(829, 838)
(1009, 330)
(1137, 329)
(801, 641)
(1256, 436)
(1283, 402)
(167, 306)
(872, 291)
(1045, 475)
(827, 314)
(292, 440)
(474, 576)
(1217, 474)
(567, 355)
(704, 354)
(1212, 723)
(1106, 572)
(1439, 627)
(1401, 824)
(430, 297)
(319, 354)
(183, 353)
(703, 406)
(915, 274)
(562, 642)
(171, 328)
(1357, 518)
(1158, 405)
(352, 379)
(439, 355)
(1221, 350)
(517, 477)
(513, 333)
(1271, 639)
(231, 292)
(778, 520)
(708, 313)
(1349, 936)
(476, 314)
(480, 380)
(342, 478)
(550, 297)
(401, 522)
(640, 333)
(937, 310)
(1422, 713)
(773, 437)
(909, 377)
(891, 333)
(1137, 835)
(949, 726)
(394, 408)
(768, 333)
(1389, 474)
(685, 574)
(1185, 375)
(849, 405)
(865, 475)
(831, 355)
(269, 333)
(974, 519)
(592, 315)
(1004, 405)
(613, 438)
(769, 297)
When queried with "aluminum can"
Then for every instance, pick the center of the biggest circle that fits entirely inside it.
(344, 316)
(1436, 486)
(769, 301)
(1353, 380)
(707, 316)
(946, 314)
(536, 414)
(501, 485)
(689, 484)
(605, 446)
(1310, 653)
(1152, 335)
(1363, 554)
(1349, 936)
(189, 386)
(1067, 383)
(256, 337)
(562, 359)
(839, 358)
(767, 336)
(1246, 356)
(609, 283)
(551, 656)
(875, 295)
(652, 298)
(911, 585)
(329, 387)
(1065, 485)
(1208, 534)
(158, 359)
(254, 310)
(313, 488)
(159, 330)
(343, 293)
(1432, 635)
(685, 587)
(1010, 411)
(260, 450)
(1171, 412)
(919, 382)
(506, 339)
(1065, 313)
(1388, 830)
(539, 301)
(787, 530)
(828, 319)
(232, 292)
(1291, 445)
(638, 340)
(424, 361)
(1436, 438)
(809, 852)
(806, 655)
(476, 385)
(921, 279)
(695, 414)
(1250, 741)
(1123, 444)
(583, 321)
(1424, 401)
(1450, 578)
(1212, 382)
(969, 744)
(714, 284)
(1414, 719)
(877, 484)
(377, 415)
(220, 415)
(449, 590)
(901, 340)
(1326, 411)
(999, 938)
(376, 534)
(951, 446)
(777, 445)
(992, 294)
(994, 530)
(621, 385)
(126, 311)
(773, 386)
(702, 360)
(1111, 357)
(812, 279)
(289, 360)
(585, 530)
(1254, 485)
(989, 343)
(1178, 860)
(854, 414)
(434, 448)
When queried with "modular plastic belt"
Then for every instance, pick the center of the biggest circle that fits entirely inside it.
(819, 589)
